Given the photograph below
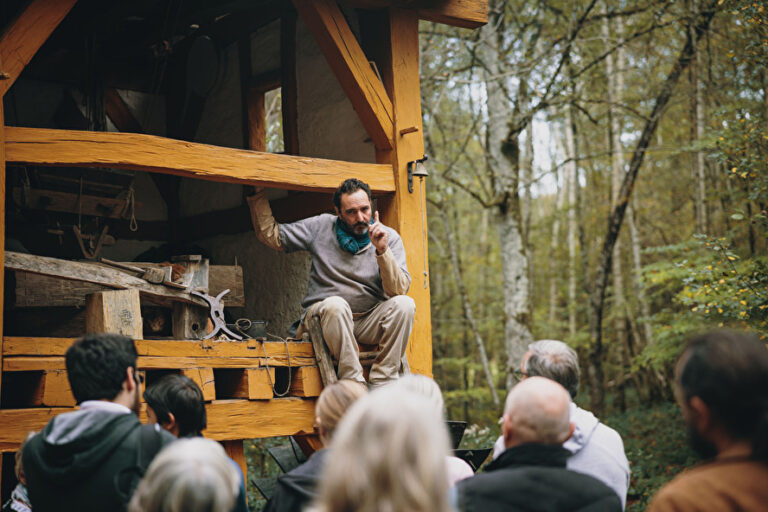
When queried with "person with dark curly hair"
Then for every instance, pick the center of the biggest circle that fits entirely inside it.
(93, 458)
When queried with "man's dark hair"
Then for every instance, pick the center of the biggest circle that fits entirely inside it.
(182, 397)
(347, 187)
(728, 371)
(96, 365)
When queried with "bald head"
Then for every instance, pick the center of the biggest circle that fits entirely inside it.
(537, 411)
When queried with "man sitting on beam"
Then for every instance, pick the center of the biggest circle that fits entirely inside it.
(357, 282)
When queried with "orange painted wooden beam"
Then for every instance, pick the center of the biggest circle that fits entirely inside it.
(26, 35)
(38, 146)
(227, 420)
(405, 211)
(458, 13)
(350, 65)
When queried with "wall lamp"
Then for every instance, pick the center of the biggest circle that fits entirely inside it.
(416, 168)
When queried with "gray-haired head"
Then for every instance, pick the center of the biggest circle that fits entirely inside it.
(554, 360)
(423, 386)
(193, 475)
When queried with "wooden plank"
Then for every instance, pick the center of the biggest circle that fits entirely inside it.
(27, 34)
(29, 364)
(56, 389)
(403, 211)
(322, 355)
(350, 65)
(251, 383)
(54, 201)
(246, 419)
(47, 147)
(23, 346)
(227, 420)
(190, 322)
(458, 13)
(115, 311)
(288, 92)
(96, 274)
(37, 290)
(203, 377)
(306, 382)
(119, 112)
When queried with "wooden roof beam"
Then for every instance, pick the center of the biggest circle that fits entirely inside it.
(350, 65)
(47, 147)
(26, 35)
(458, 13)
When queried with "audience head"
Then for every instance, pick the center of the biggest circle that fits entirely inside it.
(333, 402)
(537, 410)
(103, 367)
(553, 360)
(190, 475)
(388, 454)
(176, 403)
(422, 386)
(721, 381)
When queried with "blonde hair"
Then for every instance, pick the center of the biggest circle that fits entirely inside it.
(334, 401)
(388, 455)
(190, 475)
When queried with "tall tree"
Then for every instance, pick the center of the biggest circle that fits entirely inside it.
(700, 24)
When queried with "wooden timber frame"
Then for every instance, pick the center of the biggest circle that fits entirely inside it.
(388, 105)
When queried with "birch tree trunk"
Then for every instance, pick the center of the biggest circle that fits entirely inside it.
(503, 161)
(571, 181)
(526, 209)
(697, 132)
(553, 270)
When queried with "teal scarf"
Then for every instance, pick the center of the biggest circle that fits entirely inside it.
(349, 241)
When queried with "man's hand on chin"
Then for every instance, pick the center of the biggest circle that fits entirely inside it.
(378, 235)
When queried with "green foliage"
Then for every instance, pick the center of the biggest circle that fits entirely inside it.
(260, 465)
(656, 445)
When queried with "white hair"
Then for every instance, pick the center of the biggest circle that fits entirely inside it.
(190, 475)
(388, 455)
(422, 386)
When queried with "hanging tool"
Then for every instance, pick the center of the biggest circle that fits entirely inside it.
(217, 314)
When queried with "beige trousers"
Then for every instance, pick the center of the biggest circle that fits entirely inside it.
(388, 325)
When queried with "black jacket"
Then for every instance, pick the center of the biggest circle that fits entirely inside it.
(532, 477)
(297, 488)
(86, 461)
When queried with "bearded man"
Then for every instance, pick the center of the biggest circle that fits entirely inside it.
(357, 281)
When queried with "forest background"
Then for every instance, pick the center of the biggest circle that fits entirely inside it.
(598, 176)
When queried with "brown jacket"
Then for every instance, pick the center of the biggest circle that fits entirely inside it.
(721, 485)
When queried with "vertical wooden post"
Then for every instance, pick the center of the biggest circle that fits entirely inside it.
(236, 452)
(2, 244)
(2, 230)
(288, 82)
(405, 211)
